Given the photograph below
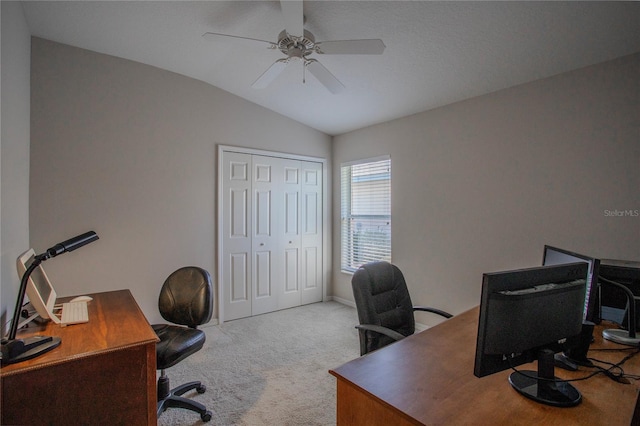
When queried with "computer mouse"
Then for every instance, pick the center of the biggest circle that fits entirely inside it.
(82, 299)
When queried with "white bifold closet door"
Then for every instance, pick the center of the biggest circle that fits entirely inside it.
(272, 234)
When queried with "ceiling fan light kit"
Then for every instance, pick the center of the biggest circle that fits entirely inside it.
(299, 47)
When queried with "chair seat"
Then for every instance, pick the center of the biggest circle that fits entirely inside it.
(176, 343)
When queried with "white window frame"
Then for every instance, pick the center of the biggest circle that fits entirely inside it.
(374, 229)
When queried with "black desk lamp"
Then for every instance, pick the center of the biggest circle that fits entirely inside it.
(628, 336)
(16, 350)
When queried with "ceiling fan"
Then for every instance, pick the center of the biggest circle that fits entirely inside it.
(298, 43)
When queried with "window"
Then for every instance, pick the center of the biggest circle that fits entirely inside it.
(365, 188)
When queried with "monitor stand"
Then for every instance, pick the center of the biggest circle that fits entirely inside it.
(542, 386)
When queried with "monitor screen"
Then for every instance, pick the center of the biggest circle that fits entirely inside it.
(557, 256)
(39, 289)
(530, 314)
(613, 302)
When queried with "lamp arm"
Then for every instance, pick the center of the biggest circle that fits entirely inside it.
(21, 292)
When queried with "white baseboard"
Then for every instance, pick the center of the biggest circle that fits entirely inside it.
(341, 300)
(211, 323)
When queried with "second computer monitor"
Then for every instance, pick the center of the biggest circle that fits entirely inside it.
(558, 256)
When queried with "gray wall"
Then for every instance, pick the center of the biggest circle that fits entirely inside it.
(14, 214)
(129, 151)
(483, 184)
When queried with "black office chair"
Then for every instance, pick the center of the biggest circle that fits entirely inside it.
(384, 307)
(186, 298)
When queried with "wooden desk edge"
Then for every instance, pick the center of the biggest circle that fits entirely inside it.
(51, 363)
(358, 393)
(12, 369)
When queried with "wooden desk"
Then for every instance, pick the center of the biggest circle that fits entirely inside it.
(427, 379)
(103, 372)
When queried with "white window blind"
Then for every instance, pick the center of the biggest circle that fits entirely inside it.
(365, 189)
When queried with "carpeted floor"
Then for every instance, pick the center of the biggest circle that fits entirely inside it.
(270, 369)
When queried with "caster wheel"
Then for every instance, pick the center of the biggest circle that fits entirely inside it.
(201, 389)
(206, 416)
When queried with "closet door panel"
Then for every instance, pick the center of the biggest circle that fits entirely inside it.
(291, 281)
(263, 275)
(289, 293)
(311, 235)
(267, 274)
(239, 278)
(236, 236)
(291, 250)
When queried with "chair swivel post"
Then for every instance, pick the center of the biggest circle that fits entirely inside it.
(164, 387)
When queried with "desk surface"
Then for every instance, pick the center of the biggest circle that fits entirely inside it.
(428, 378)
(115, 322)
(103, 371)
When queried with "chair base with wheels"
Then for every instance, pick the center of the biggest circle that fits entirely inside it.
(168, 397)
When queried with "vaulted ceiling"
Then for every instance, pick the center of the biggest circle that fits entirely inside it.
(436, 52)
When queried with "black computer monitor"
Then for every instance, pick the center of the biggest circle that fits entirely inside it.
(613, 302)
(558, 256)
(531, 314)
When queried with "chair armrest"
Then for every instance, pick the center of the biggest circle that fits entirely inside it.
(382, 330)
(432, 310)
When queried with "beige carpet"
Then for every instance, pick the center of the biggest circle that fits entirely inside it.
(270, 369)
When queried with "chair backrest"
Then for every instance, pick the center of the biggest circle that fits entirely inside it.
(186, 297)
(382, 298)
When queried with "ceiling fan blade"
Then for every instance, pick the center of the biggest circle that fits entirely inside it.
(244, 40)
(324, 76)
(351, 47)
(270, 74)
(293, 17)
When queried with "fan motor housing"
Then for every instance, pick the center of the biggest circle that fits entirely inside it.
(297, 47)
